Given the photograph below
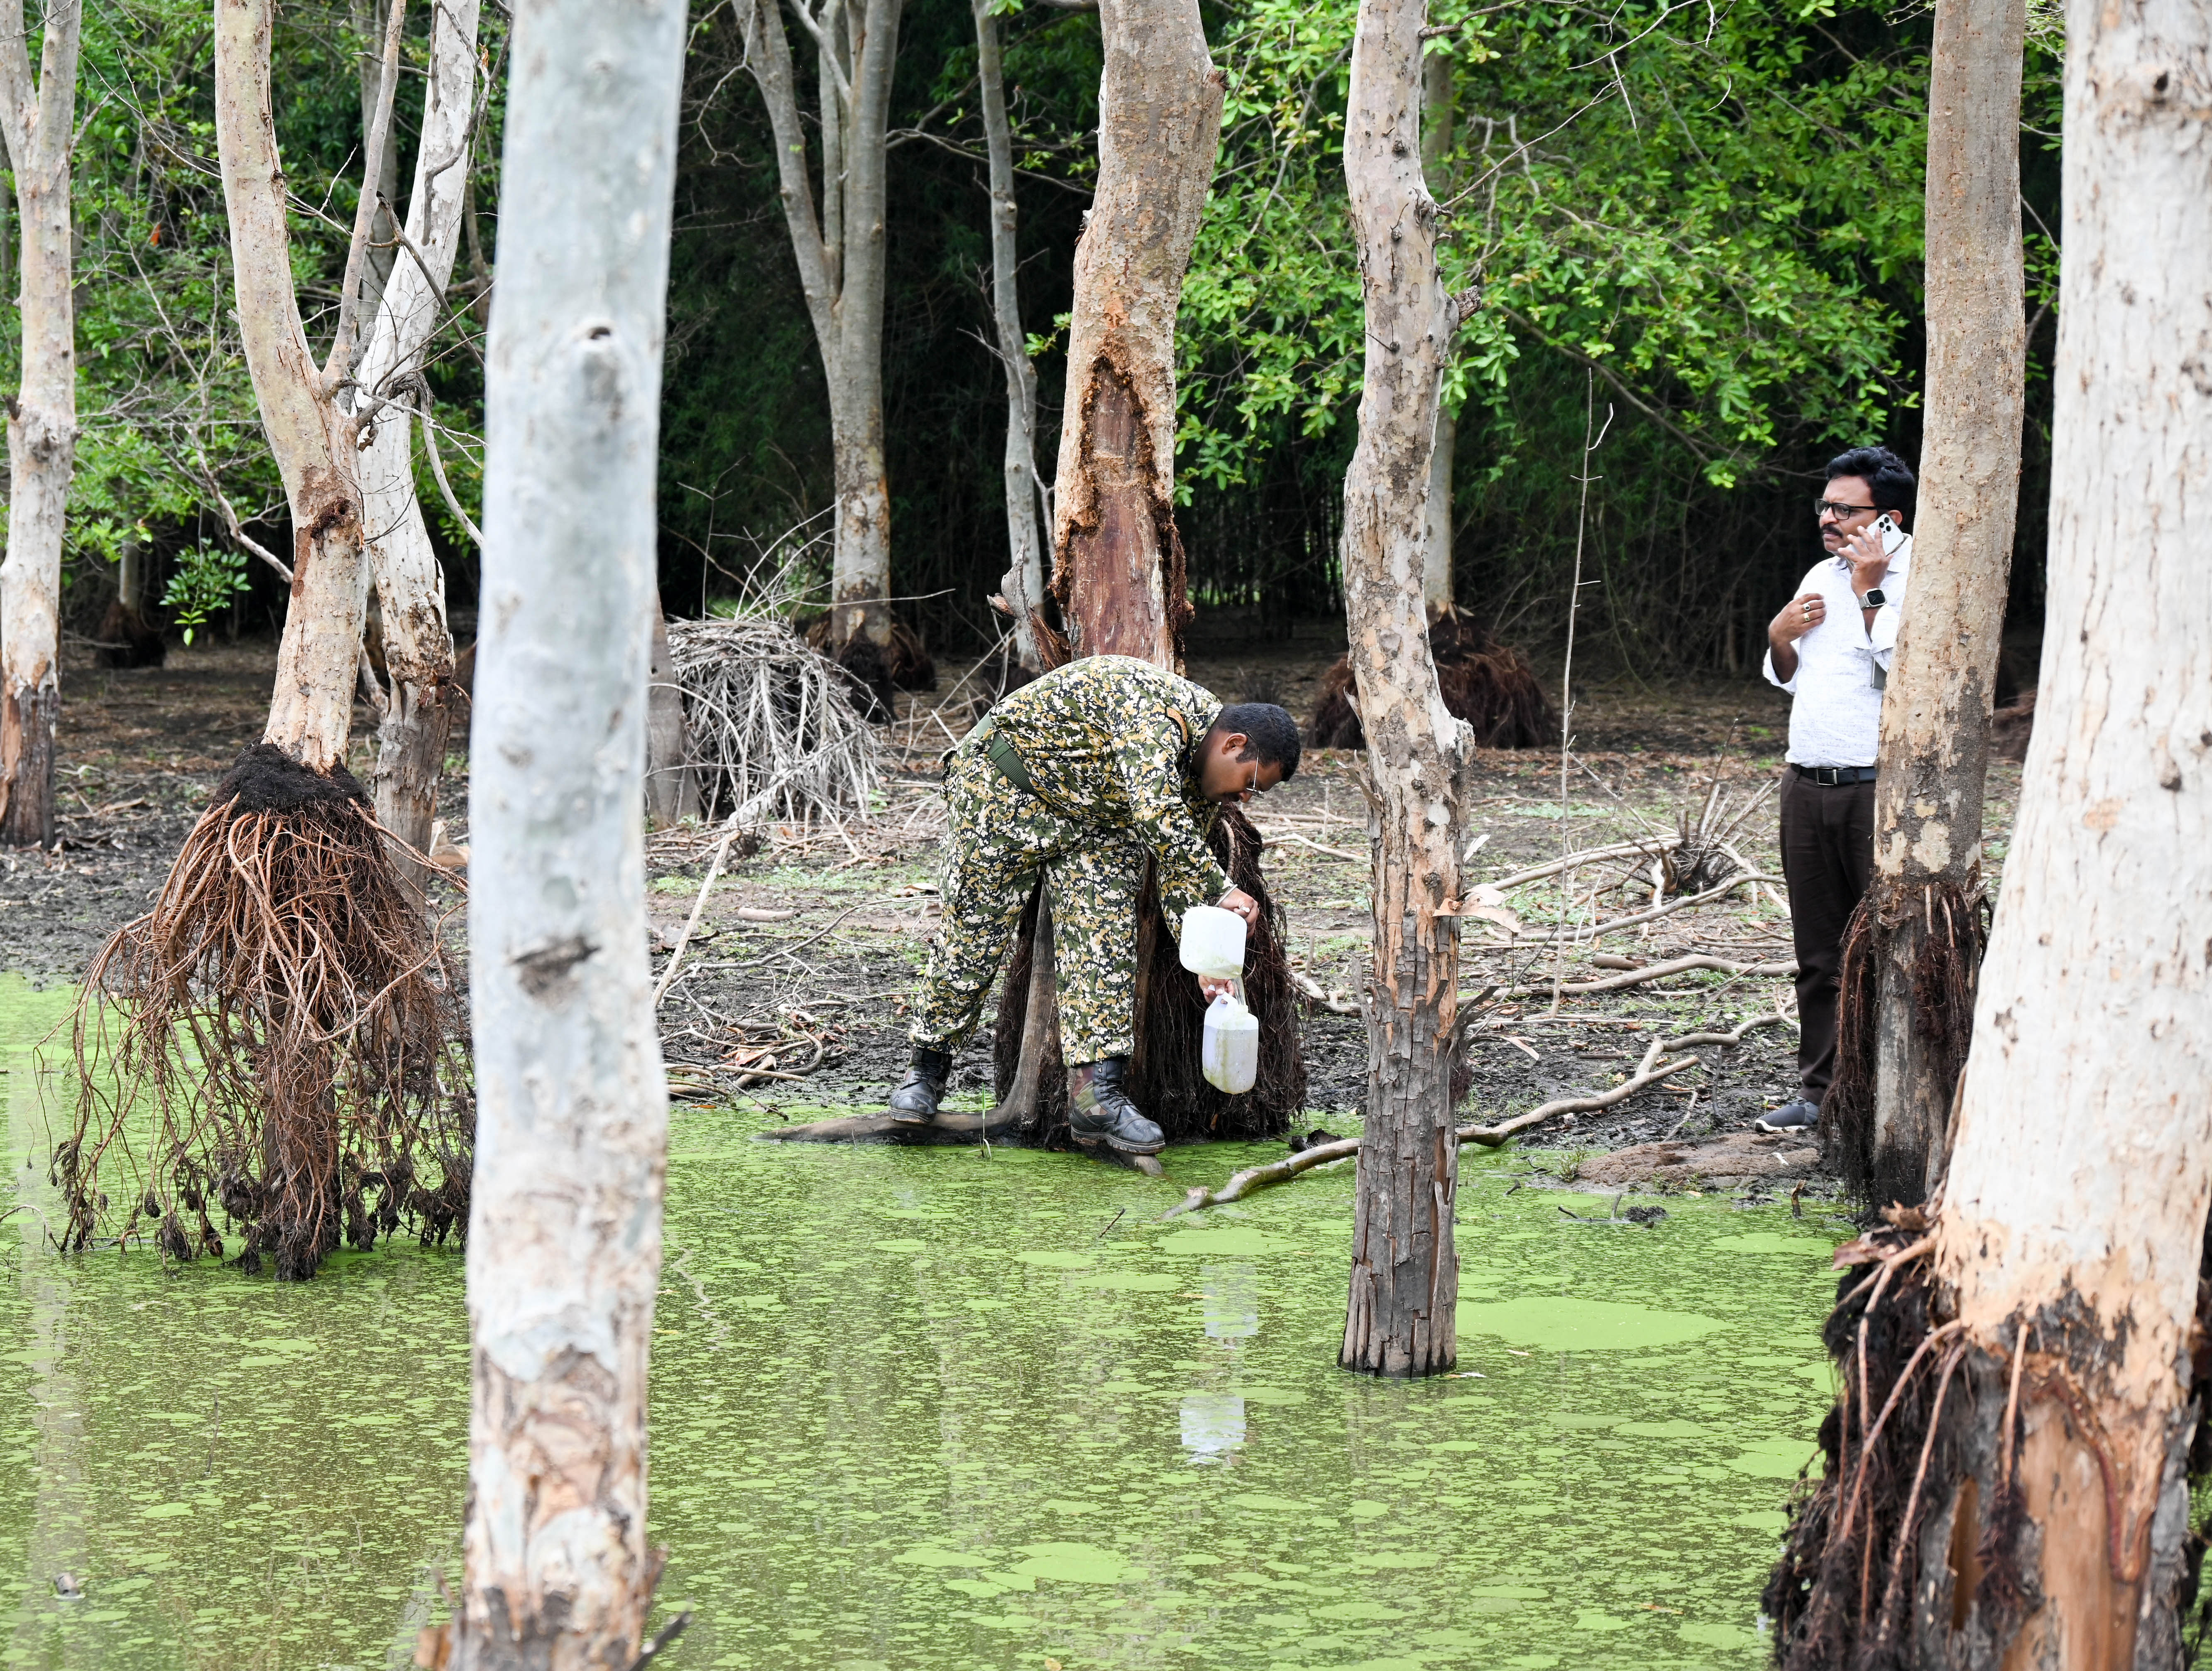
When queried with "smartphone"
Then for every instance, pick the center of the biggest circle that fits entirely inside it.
(1892, 535)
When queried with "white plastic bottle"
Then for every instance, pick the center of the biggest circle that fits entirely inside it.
(1230, 1055)
(1212, 942)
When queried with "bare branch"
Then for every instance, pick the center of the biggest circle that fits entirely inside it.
(364, 214)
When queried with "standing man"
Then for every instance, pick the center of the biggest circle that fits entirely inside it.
(1831, 649)
(1083, 775)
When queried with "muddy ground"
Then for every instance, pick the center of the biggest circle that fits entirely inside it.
(808, 949)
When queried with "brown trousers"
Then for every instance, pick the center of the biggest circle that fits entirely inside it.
(1827, 859)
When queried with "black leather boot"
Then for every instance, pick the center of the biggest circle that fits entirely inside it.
(1100, 1111)
(915, 1103)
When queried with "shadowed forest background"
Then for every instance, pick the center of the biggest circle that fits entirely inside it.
(1706, 220)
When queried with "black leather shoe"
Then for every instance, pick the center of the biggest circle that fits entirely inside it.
(915, 1103)
(1799, 1117)
(1100, 1111)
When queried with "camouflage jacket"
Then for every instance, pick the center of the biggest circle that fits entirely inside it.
(1112, 741)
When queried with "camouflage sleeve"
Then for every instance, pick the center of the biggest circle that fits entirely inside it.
(1149, 755)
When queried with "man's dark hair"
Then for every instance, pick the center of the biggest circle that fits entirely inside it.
(1270, 736)
(1889, 479)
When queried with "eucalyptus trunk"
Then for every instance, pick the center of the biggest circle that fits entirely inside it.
(1023, 588)
(37, 122)
(2068, 1249)
(1400, 1318)
(1437, 95)
(1118, 562)
(1915, 939)
(417, 721)
(840, 251)
(565, 1229)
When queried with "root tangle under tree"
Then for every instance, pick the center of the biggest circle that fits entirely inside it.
(284, 1016)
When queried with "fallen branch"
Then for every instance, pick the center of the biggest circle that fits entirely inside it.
(1636, 977)
(1307, 842)
(1650, 1072)
(1330, 1000)
(1646, 845)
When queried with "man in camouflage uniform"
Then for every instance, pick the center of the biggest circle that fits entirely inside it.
(1084, 774)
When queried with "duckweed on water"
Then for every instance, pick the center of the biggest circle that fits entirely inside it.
(923, 1411)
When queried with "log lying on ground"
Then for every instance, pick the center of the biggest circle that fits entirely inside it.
(1650, 1072)
(1000, 1125)
(1782, 970)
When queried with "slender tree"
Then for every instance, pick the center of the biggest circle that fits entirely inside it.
(415, 715)
(2008, 1466)
(1118, 562)
(1404, 1269)
(1023, 589)
(564, 1241)
(37, 125)
(283, 1011)
(840, 250)
(1910, 952)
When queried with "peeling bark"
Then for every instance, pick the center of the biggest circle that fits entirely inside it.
(1399, 1317)
(1118, 569)
(416, 723)
(37, 124)
(2068, 1253)
(565, 1230)
(841, 265)
(1935, 720)
(1023, 588)
(1437, 96)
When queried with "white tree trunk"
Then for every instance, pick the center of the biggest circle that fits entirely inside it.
(564, 1231)
(410, 588)
(1023, 586)
(1400, 1317)
(37, 122)
(2076, 1198)
(841, 264)
(311, 437)
(1117, 560)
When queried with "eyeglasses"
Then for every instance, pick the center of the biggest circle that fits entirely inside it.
(1837, 509)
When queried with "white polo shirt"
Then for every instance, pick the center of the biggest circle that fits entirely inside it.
(1836, 719)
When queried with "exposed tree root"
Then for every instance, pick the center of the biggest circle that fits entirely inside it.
(1932, 935)
(283, 1019)
(1488, 685)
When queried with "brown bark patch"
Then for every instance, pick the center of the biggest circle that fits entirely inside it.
(1121, 576)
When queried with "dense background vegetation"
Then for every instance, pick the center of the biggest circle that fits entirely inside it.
(1703, 220)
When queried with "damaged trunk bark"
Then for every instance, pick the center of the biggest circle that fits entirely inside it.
(2038, 1515)
(1916, 939)
(37, 124)
(840, 266)
(1023, 588)
(1118, 564)
(1400, 1316)
(417, 712)
(565, 1237)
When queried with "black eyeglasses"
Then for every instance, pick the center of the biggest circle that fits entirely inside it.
(1835, 507)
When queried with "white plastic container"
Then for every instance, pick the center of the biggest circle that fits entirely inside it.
(1230, 1055)
(1213, 942)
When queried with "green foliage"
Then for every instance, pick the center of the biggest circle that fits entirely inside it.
(204, 581)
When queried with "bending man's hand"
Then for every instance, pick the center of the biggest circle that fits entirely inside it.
(1209, 988)
(1244, 905)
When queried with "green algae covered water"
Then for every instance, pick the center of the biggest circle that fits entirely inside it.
(921, 1411)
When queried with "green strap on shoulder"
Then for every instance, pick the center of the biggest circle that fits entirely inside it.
(1004, 759)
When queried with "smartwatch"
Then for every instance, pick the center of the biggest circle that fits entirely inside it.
(1873, 597)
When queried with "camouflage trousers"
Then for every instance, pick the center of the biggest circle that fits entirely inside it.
(997, 839)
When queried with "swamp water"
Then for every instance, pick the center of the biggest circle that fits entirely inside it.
(921, 1411)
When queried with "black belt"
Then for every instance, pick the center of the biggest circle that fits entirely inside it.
(1830, 776)
(1002, 755)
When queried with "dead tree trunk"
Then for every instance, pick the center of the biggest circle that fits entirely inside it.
(417, 714)
(1118, 565)
(1436, 150)
(565, 1237)
(672, 792)
(1404, 1269)
(841, 265)
(37, 124)
(2026, 1501)
(1023, 589)
(1913, 944)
